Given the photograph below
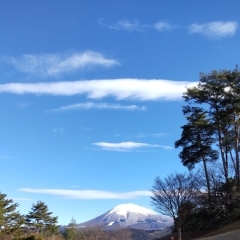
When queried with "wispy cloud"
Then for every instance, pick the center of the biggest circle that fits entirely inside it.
(88, 194)
(126, 24)
(59, 130)
(5, 157)
(163, 26)
(216, 29)
(23, 105)
(137, 89)
(134, 25)
(86, 128)
(126, 146)
(104, 106)
(22, 199)
(144, 135)
(57, 64)
(158, 134)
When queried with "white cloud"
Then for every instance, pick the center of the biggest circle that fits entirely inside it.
(134, 25)
(126, 24)
(162, 26)
(56, 64)
(137, 89)
(126, 146)
(104, 106)
(88, 194)
(216, 29)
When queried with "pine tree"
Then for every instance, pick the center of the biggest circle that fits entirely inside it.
(197, 140)
(71, 230)
(40, 219)
(10, 219)
(219, 93)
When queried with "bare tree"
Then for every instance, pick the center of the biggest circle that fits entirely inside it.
(176, 196)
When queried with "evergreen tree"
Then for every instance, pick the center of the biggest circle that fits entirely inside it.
(197, 140)
(40, 219)
(71, 230)
(219, 93)
(10, 219)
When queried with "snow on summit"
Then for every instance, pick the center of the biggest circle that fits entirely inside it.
(125, 209)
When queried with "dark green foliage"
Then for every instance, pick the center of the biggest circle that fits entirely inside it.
(40, 218)
(10, 219)
(212, 132)
(197, 138)
(225, 195)
(221, 211)
(14, 226)
(71, 230)
(196, 141)
(32, 237)
(210, 218)
(218, 93)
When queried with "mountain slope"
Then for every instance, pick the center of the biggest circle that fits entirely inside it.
(131, 216)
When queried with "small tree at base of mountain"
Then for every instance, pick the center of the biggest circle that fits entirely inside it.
(40, 218)
(71, 230)
(176, 196)
(10, 219)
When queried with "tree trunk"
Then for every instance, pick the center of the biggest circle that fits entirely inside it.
(206, 172)
(207, 179)
(179, 233)
(237, 154)
(234, 164)
(221, 148)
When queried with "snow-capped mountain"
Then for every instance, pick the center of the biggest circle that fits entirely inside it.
(131, 216)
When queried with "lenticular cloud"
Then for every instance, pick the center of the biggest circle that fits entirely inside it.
(88, 194)
(137, 89)
(56, 64)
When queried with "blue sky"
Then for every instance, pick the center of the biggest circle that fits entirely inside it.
(90, 95)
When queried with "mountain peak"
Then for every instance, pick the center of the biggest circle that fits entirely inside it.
(125, 209)
(132, 216)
